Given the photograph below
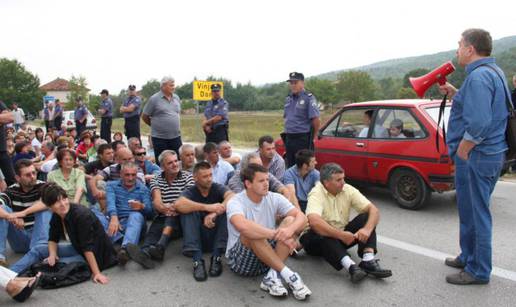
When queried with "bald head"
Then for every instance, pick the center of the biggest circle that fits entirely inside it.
(124, 154)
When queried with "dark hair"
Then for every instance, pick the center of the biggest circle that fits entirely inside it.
(22, 163)
(61, 147)
(396, 123)
(51, 192)
(304, 156)
(249, 172)
(116, 143)
(63, 152)
(369, 113)
(201, 166)
(102, 148)
(36, 133)
(480, 40)
(209, 147)
(265, 139)
(328, 169)
(49, 145)
(19, 146)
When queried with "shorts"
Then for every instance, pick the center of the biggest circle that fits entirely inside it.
(243, 261)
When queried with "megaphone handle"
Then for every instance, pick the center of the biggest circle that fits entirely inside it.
(441, 116)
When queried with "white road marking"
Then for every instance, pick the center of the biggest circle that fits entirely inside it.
(420, 250)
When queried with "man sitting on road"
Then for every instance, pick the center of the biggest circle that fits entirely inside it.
(255, 245)
(302, 177)
(150, 170)
(187, 156)
(222, 170)
(165, 189)
(331, 233)
(228, 155)
(202, 210)
(271, 160)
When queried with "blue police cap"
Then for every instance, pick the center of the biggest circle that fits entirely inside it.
(295, 76)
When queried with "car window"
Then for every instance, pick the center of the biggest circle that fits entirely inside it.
(396, 123)
(331, 127)
(351, 124)
(434, 114)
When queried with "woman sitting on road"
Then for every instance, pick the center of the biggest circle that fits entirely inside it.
(71, 179)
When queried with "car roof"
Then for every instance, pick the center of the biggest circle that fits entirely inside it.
(397, 103)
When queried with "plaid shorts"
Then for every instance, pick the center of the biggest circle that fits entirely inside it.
(243, 261)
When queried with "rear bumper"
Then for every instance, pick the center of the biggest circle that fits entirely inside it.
(442, 183)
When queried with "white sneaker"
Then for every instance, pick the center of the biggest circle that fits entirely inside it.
(274, 286)
(298, 287)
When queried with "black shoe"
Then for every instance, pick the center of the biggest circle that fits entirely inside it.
(372, 267)
(454, 263)
(157, 252)
(215, 266)
(139, 257)
(356, 273)
(464, 278)
(122, 256)
(27, 291)
(199, 271)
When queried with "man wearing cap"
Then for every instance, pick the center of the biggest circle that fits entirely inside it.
(106, 113)
(301, 116)
(215, 124)
(131, 110)
(81, 115)
(162, 112)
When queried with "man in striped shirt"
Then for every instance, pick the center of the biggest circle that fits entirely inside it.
(166, 189)
(24, 219)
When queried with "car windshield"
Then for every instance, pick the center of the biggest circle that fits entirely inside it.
(434, 114)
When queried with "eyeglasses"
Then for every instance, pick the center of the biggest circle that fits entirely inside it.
(141, 153)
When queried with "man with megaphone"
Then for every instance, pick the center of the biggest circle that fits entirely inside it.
(476, 141)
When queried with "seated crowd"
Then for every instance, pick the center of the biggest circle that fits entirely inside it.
(77, 198)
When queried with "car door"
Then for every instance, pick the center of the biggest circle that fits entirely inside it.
(339, 142)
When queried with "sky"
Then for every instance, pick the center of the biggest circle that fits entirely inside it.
(117, 43)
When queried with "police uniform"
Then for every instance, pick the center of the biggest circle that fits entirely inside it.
(106, 117)
(80, 111)
(218, 107)
(299, 111)
(132, 119)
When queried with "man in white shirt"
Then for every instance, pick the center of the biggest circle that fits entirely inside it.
(19, 117)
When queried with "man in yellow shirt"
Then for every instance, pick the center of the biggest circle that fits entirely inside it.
(331, 233)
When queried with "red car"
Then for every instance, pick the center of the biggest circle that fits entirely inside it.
(391, 143)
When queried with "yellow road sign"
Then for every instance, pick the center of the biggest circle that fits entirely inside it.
(202, 90)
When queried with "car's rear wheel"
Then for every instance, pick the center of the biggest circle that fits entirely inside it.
(409, 189)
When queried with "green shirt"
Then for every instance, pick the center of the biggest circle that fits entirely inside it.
(75, 180)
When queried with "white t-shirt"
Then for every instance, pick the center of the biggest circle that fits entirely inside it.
(48, 166)
(19, 116)
(264, 213)
(36, 143)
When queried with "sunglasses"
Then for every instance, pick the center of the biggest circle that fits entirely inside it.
(141, 153)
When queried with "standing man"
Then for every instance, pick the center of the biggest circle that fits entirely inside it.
(48, 115)
(58, 115)
(106, 113)
(301, 116)
(6, 164)
(131, 110)
(216, 123)
(19, 117)
(81, 116)
(162, 113)
(476, 142)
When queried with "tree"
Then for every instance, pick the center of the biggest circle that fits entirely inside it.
(150, 88)
(406, 92)
(19, 85)
(433, 91)
(388, 88)
(355, 86)
(324, 90)
(78, 88)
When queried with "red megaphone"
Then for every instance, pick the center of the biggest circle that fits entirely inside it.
(438, 75)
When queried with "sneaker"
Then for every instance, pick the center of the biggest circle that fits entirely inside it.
(454, 263)
(157, 252)
(274, 286)
(123, 256)
(199, 272)
(372, 267)
(298, 287)
(139, 257)
(356, 273)
(215, 266)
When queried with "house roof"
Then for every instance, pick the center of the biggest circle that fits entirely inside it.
(57, 85)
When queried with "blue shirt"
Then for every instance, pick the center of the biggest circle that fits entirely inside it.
(299, 111)
(479, 112)
(151, 168)
(80, 111)
(117, 197)
(303, 185)
(107, 106)
(58, 111)
(217, 107)
(222, 172)
(133, 100)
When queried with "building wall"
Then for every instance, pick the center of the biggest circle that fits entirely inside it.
(61, 95)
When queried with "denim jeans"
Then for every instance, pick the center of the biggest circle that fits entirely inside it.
(196, 237)
(21, 240)
(36, 254)
(133, 226)
(475, 180)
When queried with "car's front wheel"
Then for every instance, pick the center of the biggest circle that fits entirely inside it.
(409, 189)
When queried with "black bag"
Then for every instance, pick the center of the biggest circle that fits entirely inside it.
(60, 275)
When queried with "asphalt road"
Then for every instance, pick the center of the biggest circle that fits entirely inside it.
(411, 243)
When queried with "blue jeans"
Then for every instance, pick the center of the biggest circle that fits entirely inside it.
(196, 237)
(475, 180)
(133, 226)
(21, 240)
(65, 252)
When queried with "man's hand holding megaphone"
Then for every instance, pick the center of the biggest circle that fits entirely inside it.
(448, 89)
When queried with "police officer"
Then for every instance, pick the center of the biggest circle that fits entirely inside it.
(215, 124)
(301, 115)
(131, 110)
(81, 116)
(106, 113)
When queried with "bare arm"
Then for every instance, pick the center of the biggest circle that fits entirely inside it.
(6, 117)
(322, 228)
(158, 201)
(316, 124)
(250, 229)
(185, 206)
(146, 119)
(289, 191)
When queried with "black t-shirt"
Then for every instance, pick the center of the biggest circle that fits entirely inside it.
(3, 140)
(93, 167)
(216, 194)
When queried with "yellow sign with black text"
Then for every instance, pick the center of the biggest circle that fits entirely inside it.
(202, 89)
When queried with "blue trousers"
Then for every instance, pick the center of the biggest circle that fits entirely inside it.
(475, 180)
(133, 226)
(65, 252)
